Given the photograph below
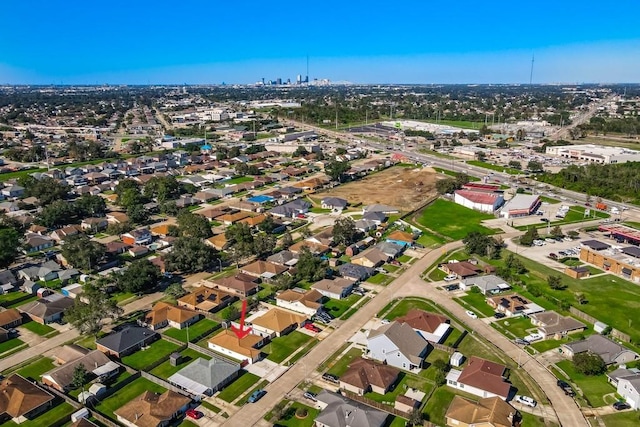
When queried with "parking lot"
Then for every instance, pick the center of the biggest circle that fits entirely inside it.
(541, 253)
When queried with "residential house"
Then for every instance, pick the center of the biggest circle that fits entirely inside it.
(392, 250)
(405, 404)
(355, 272)
(627, 383)
(22, 400)
(481, 378)
(337, 288)
(36, 242)
(277, 322)
(333, 203)
(365, 225)
(116, 248)
(152, 409)
(372, 257)
(10, 318)
(432, 327)
(513, 305)
(117, 218)
(553, 325)
(8, 281)
(140, 236)
(376, 217)
(314, 247)
(70, 352)
(219, 242)
(126, 341)
(164, 314)
(384, 209)
(486, 412)
(397, 344)
(205, 377)
(462, 269)
(12, 191)
(63, 233)
(245, 349)
(285, 258)
(300, 301)
(48, 309)
(400, 237)
(291, 209)
(339, 411)
(95, 363)
(611, 352)
(233, 217)
(137, 251)
(206, 299)
(364, 376)
(263, 269)
(94, 224)
(241, 284)
(253, 221)
(489, 284)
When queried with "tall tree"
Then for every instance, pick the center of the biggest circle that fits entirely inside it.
(58, 212)
(193, 225)
(344, 231)
(87, 317)
(336, 170)
(45, 189)
(190, 255)
(139, 277)
(90, 205)
(310, 267)
(9, 246)
(81, 252)
(263, 245)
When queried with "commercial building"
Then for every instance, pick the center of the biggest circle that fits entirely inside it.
(595, 153)
(520, 205)
(479, 200)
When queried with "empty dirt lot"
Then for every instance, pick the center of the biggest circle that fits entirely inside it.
(404, 188)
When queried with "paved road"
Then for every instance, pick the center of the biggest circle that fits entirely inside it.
(38, 350)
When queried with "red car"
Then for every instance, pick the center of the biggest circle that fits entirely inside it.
(312, 327)
(196, 415)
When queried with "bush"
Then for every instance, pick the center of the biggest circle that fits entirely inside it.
(302, 413)
(589, 364)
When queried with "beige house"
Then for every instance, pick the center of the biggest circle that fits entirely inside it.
(307, 303)
(487, 412)
(153, 409)
(277, 322)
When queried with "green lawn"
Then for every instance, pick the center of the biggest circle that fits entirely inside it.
(380, 279)
(12, 345)
(518, 326)
(550, 344)
(239, 386)
(404, 258)
(337, 307)
(396, 422)
(452, 220)
(465, 124)
(165, 370)
(478, 302)
(549, 200)
(36, 369)
(623, 419)
(430, 240)
(126, 394)
(39, 329)
(307, 348)
(404, 380)
(87, 342)
(197, 329)
(49, 418)
(593, 387)
(262, 384)
(238, 180)
(319, 210)
(437, 405)
(341, 365)
(499, 168)
(530, 420)
(390, 268)
(289, 419)
(404, 306)
(143, 358)
(282, 347)
(7, 299)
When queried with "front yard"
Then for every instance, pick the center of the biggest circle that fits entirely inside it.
(478, 302)
(38, 329)
(196, 330)
(593, 387)
(341, 365)
(380, 279)
(289, 419)
(13, 345)
(337, 307)
(165, 370)
(239, 386)
(37, 368)
(282, 347)
(52, 417)
(126, 394)
(156, 351)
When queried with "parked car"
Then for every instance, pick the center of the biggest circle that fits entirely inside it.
(454, 287)
(553, 256)
(312, 327)
(526, 400)
(310, 396)
(499, 315)
(471, 314)
(331, 378)
(533, 337)
(256, 395)
(385, 321)
(520, 341)
(619, 406)
(563, 384)
(192, 413)
(450, 277)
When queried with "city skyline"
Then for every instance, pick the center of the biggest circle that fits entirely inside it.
(409, 42)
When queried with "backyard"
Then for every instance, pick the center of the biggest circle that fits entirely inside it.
(126, 394)
(156, 351)
(452, 220)
(165, 369)
(593, 387)
(198, 329)
(52, 417)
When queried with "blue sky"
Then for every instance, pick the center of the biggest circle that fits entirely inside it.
(214, 41)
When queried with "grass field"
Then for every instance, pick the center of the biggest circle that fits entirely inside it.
(143, 358)
(39, 329)
(437, 405)
(593, 387)
(239, 386)
(196, 330)
(12, 345)
(498, 168)
(404, 306)
(404, 380)
(282, 347)
(126, 394)
(464, 124)
(338, 307)
(623, 419)
(479, 303)
(289, 419)
(380, 279)
(452, 220)
(165, 370)
(342, 364)
(37, 368)
(517, 326)
(52, 417)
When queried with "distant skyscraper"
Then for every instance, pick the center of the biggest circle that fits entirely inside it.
(299, 79)
(263, 81)
(279, 81)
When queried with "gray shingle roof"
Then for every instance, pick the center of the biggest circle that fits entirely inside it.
(125, 339)
(209, 373)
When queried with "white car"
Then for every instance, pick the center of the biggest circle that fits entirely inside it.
(471, 314)
(533, 337)
(450, 277)
(385, 321)
(526, 400)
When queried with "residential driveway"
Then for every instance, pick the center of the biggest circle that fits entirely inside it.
(324, 220)
(266, 369)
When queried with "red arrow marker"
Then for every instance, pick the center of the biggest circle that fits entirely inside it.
(241, 332)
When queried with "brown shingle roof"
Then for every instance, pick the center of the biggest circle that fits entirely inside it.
(278, 320)
(163, 311)
(19, 396)
(485, 375)
(205, 298)
(259, 268)
(245, 346)
(150, 409)
(9, 316)
(362, 373)
(488, 411)
(422, 320)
